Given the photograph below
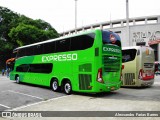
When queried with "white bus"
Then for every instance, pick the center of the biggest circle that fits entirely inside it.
(137, 66)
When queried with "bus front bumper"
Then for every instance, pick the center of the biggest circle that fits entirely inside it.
(146, 82)
(109, 87)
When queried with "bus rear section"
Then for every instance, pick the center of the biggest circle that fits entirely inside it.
(138, 66)
(109, 75)
(146, 73)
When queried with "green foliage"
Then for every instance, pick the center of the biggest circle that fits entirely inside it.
(4, 45)
(17, 30)
(26, 34)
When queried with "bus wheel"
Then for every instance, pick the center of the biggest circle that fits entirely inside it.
(54, 85)
(67, 87)
(17, 80)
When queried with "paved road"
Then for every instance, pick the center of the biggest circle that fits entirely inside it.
(16, 97)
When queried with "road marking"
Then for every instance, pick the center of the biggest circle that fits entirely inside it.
(5, 106)
(29, 105)
(26, 94)
(4, 91)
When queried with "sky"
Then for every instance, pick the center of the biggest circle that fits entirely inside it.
(61, 13)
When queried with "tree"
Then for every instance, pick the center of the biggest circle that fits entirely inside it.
(7, 17)
(30, 31)
(4, 45)
(26, 34)
(12, 26)
(17, 30)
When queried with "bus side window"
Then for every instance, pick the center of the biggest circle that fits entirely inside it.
(41, 68)
(38, 49)
(22, 68)
(29, 51)
(21, 52)
(82, 42)
(63, 45)
(49, 47)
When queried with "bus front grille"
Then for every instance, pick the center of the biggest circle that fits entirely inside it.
(84, 81)
(129, 79)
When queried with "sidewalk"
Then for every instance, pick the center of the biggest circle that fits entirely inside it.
(88, 103)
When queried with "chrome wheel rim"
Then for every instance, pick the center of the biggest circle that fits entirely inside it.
(55, 85)
(67, 88)
(17, 80)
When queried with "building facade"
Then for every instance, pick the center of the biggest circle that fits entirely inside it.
(141, 31)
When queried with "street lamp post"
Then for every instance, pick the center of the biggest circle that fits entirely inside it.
(127, 11)
(75, 14)
(127, 23)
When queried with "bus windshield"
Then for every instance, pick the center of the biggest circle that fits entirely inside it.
(128, 55)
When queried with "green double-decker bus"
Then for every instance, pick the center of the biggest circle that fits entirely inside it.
(86, 62)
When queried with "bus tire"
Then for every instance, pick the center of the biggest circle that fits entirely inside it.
(17, 80)
(67, 87)
(54, 85)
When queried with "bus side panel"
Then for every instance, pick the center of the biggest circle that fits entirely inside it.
(83, 71)
(129, 73)
(63, 70)
(147, 64)
(88, 67)
(138, 67)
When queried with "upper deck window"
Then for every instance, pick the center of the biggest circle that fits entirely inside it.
(80, 42)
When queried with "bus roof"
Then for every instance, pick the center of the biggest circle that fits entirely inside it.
(56, 39)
